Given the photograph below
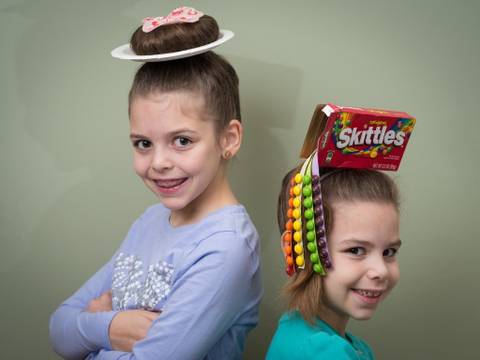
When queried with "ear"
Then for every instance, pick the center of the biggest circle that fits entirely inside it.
(231, 138)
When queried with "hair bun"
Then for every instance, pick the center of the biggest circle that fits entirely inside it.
(175, 37)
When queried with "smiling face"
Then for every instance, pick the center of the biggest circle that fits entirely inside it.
(363, 245)
(176, 152)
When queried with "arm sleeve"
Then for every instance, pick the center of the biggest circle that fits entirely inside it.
(216, 286)
(74, 332)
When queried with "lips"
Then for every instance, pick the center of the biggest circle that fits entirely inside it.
(169, 186)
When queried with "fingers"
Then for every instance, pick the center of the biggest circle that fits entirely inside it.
(102, 303)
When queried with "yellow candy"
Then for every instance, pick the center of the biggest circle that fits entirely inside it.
(296, 202)
(300, 260)
(373, 154)
(298, 249)
(297, 225)
(297, 236)
(298, 178)
(296, 213)
(297, 190)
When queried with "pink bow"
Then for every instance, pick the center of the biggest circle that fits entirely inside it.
(178, 15)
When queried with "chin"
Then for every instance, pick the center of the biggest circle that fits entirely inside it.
(171, 205)
(363, 316)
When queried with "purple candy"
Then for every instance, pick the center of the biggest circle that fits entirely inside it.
(318, 209)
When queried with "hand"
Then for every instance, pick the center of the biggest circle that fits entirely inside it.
(102, 303)
(128, 327)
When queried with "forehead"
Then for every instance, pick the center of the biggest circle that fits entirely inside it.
(169, 112)
(189, 103)
(367, 221)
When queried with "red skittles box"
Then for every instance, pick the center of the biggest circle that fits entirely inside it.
(363, 138)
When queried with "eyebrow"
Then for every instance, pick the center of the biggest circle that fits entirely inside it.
(170, 134)
(137, 136)
(356, 242)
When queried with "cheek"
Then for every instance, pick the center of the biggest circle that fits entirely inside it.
(140, 164)
(394, 274)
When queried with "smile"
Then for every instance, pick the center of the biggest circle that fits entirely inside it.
(368, 293)
(368, 296)
(169, 186)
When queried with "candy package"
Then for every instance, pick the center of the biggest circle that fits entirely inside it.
(363, 138)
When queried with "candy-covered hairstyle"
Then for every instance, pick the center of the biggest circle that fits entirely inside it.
(207, 74)
(304, 288)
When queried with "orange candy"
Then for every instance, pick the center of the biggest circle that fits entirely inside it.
(289, 225)
(287, 237)
(288, 250)
(289, 260)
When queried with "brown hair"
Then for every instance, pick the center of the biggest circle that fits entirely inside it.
(207, 74)
(304, 289)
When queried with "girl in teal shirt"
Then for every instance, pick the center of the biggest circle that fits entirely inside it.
(357, 210)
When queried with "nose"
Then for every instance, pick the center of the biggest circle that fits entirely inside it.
(161, 160)
(378, 269)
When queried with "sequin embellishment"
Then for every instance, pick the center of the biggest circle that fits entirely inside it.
(128, 291)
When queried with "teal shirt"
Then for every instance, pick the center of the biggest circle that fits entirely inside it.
(297, 339)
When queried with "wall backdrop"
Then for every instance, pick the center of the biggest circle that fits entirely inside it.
(68, 192)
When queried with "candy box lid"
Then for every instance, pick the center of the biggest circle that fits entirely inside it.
(363, 138)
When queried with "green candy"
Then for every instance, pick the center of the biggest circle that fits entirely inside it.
(311, 247)
(307, 180)
(307, 191)
(310, 235)
(309, 214)
(308, 203)
(314, 258)
(317, 268)
(310, 225)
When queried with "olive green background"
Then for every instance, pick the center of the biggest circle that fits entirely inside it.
(68, 193)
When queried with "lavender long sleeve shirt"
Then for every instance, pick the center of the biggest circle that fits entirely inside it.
(204, 278)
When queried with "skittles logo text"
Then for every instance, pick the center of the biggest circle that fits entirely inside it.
(370, 136)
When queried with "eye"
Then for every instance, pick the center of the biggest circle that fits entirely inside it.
(181, 141)
(357, 251)
(390, 252)
(142, 144)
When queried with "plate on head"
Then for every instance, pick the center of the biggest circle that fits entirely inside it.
(125, 52)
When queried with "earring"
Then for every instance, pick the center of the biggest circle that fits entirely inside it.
(227, 155)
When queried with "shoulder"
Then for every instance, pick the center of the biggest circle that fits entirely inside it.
(295, 335)
(227, 239)
(291, 337)
(229, 228)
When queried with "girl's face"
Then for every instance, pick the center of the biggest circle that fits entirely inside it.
(363, 244)
(176, 152)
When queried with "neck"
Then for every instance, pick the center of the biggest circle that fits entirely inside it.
(337, 321)
(217, 195)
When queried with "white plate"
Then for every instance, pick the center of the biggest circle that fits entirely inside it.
(125, 52)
